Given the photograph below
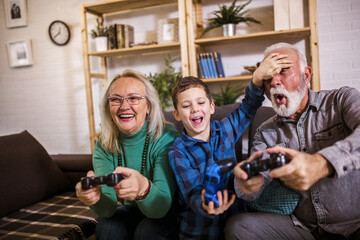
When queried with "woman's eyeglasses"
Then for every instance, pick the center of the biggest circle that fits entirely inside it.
(132, 100)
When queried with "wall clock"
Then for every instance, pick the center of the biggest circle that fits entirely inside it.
(59, 32)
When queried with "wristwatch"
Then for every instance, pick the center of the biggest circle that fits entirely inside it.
(143, 195)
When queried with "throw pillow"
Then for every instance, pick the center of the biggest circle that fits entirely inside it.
(27, 173)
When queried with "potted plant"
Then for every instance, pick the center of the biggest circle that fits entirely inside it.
(165, 81)
(228, 18)
(100, 34)
(228, 95)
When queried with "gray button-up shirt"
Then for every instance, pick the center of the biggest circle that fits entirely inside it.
(330, 126)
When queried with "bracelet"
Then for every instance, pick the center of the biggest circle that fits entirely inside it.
(143, 195)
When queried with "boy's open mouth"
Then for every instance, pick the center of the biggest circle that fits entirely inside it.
(197, 120)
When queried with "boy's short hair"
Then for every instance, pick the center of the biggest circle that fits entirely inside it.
(188, 82)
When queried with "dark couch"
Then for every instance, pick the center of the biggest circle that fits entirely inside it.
(38, 190)
(37, 197)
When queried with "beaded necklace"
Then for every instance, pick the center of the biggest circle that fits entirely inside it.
(144, 155)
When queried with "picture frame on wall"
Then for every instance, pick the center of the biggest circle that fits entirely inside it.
(19, 53)
(15, 13)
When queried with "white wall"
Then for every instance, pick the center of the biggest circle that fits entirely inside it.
(48, 98)
(339, 43)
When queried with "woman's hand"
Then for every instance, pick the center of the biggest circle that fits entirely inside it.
(132, 185)
(90, 196)
(224, 203)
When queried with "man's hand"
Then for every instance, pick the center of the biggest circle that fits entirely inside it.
(304, 169)
(90, 196)
(269, 67)
(224, 203)
(252, 185)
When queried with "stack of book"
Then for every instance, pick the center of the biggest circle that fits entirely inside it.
(210, 65)
(120, 36)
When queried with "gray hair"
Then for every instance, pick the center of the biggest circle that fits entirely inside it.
(302, 58)
(109, 135)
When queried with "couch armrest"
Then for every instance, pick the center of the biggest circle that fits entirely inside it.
(74, 166)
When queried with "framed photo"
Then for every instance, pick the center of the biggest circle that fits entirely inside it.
(15, 13)
(20, 53)
(168, 30)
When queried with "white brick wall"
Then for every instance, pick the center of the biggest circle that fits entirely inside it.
(48, 98)
(339, 44)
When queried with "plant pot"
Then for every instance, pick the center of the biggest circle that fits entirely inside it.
(101, 44)
(229, 30)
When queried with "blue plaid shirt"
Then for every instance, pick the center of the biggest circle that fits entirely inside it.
(189, 158)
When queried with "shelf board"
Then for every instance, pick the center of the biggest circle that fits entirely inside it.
(293, 33)
(233, 78)
(138, 50)
(123, 5)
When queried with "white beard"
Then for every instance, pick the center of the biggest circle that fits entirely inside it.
(293, 99)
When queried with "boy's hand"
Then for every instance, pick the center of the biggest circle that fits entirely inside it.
(252, 185)
(224, 203)
(269, 67)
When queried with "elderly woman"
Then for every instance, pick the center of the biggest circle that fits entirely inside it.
(134, 142)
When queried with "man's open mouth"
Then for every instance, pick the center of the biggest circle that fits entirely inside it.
(280, 99)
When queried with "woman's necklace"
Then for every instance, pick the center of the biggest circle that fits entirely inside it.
(144, 155)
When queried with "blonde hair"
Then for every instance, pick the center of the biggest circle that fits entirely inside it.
(109, 134)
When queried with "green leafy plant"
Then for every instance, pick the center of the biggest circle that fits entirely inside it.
(232, 14)
(165, 81)
(100, 30)
(228, 95)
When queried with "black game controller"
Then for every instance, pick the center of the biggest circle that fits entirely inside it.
(259, 165)
(111, 180)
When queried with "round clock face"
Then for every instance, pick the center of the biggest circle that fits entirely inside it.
(59, 33)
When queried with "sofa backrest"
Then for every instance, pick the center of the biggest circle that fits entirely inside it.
(262, 114)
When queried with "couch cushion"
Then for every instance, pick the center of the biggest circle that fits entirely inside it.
(27, 173)
(60, 217)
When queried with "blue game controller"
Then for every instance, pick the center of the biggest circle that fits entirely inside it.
(212, 179)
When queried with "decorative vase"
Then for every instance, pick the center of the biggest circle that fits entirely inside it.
(101, 43)
(229, 30)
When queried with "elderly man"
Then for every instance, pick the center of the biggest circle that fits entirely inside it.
(316, 195)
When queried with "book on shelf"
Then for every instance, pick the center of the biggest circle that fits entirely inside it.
(204, 65)
(210, 65)
(121, 36)
(200, 69)
(112, 38)
(219, 65)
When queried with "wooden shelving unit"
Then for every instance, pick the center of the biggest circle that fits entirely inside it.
(110, 7)
(194, 14)
(190, 11)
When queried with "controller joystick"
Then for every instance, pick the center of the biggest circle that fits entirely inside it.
(212, 179)
(253, 168)
(111, 180)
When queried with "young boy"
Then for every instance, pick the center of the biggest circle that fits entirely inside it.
(203, 143)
